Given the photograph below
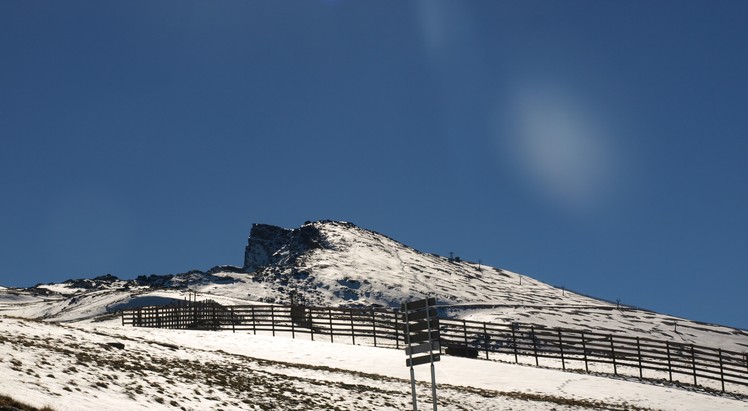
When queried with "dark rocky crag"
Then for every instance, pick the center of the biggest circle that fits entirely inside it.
(269, 245)
(277, 256)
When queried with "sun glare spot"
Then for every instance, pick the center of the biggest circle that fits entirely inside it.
(559, 146)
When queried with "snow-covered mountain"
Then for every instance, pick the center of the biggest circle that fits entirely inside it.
(330, 263)
(337, 263)
(323, 263)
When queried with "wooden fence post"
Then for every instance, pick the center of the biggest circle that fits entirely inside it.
(613, 355)
(272, 319)
(311, 324)
(202, 314)
(721, 370)
(233, 321)
(254, 321)
(693, 364)
(353, 334)
(329, 313)
(293, 329)
(485, 338)
(514, 343)
(561, 347)
(217, 317)
(639, 356)
(397, 331)
(584, 349)
(534, 344)
(464, 333)
(374, 326)
(669, 368)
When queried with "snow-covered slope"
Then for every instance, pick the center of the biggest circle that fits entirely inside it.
(81, 366)
(323, 263)
(335, 263)
(328, 263)
(340, 263)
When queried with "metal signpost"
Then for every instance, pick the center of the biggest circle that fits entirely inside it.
(422, 339)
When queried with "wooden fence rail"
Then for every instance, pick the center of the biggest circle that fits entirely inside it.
(383, 327)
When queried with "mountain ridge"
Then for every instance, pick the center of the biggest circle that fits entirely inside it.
(331, 263)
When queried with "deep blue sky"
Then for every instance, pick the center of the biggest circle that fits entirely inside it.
(595, 145)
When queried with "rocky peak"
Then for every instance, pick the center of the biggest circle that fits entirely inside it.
(272, 245)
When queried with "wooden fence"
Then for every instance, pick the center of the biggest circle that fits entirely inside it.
(379, 325)
(383, 327)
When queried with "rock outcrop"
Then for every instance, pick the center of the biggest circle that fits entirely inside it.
(269, 245)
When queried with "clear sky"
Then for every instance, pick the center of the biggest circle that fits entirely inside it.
(596, 145)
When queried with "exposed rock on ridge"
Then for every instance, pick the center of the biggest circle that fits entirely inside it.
(270, 245)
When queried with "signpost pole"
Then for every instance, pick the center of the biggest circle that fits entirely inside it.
(412, 372)
(433, 385)
(431, 357)
(413, 388)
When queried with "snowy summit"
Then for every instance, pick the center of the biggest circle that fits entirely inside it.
(56, 337)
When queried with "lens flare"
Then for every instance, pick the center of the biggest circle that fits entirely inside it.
(559, 146)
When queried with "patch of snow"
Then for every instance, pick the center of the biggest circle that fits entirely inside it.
(63, 288)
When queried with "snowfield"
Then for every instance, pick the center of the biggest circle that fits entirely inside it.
(64, 345)
(72, 367)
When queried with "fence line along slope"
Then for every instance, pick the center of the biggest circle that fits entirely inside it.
(587, 350)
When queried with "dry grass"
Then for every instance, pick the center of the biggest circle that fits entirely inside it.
(10, 403)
